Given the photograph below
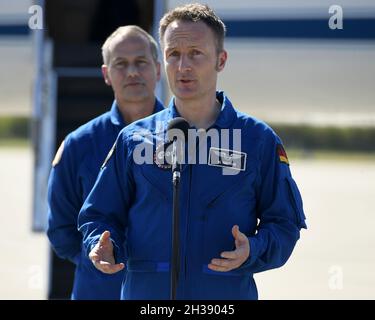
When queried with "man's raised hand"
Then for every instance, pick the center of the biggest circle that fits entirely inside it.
(102, 255)
(233, 259)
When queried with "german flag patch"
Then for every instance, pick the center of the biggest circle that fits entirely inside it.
(282, 154)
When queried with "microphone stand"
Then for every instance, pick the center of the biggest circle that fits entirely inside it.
(175, 263)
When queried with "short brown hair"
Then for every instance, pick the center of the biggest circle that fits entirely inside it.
(121, 32)
(195, 12)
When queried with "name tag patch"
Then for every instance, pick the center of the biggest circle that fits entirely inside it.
(225, 158)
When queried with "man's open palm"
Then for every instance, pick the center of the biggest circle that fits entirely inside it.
(102, 255)
(233, 259)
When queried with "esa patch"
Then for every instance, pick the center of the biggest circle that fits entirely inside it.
(109, 155)
(225, 158)
(163, 156)
(282, 154)
(58, 155)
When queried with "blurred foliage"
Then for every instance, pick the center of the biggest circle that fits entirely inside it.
(14, 143)
(330, 155)
(327, 138)
(14, 127)
(352, 139)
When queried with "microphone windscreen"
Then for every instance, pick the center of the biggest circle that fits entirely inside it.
(176, 124)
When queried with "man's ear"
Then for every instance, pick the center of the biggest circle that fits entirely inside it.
(221, 60)
(107, 80)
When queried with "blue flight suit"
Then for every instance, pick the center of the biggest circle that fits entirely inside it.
(134, 202)
(70, 181)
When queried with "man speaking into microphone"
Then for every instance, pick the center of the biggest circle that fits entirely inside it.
(239, 209)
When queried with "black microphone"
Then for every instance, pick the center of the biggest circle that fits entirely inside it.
(177, 134)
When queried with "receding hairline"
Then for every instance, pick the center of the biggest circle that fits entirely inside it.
(194, 37)
(194, 12)
(124, 32)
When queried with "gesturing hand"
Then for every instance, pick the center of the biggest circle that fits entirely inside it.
(233, 259)
(102, 255)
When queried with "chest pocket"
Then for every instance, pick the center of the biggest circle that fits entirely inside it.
(221, 188)
(231, 201)
(160, 180)
(227, 201)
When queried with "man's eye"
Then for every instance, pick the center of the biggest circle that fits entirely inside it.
(174, 54)
(120, 64)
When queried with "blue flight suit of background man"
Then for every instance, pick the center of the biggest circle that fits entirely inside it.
(71, 181)
(131, 68)
(134, 202)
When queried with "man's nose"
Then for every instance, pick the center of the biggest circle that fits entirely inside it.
(132, 70)
(184, 63)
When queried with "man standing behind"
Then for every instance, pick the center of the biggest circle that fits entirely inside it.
(132, 69)
(241, 211)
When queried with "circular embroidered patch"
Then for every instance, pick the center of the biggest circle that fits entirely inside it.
(163, 156)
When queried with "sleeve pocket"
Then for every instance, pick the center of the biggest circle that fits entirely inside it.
(297, 202)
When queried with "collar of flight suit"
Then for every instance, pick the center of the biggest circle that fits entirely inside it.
(224, 120)
(116, 117)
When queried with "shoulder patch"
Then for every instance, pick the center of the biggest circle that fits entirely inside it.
(58, 154)
(282, 154)
(109, 155)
